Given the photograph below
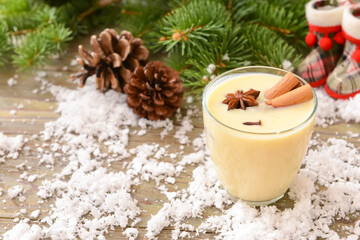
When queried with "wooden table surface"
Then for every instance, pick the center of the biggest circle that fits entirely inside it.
(39, 109)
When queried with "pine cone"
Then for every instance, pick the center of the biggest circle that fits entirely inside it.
(113, 59)
(154, 91)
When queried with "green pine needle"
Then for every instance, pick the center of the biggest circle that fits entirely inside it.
(140, 16)
(199, 38)
(32, 51)
(5, 46)
(227, 51)
(192, 25)
(274, 52)
(37, 47)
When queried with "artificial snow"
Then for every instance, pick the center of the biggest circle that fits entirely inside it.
(314, 209)
(9, 146)
(226, 57)
(90, 199)
(186, 126)
(15, 191)
(204, 191)
(211, 68)
(35, 214)
(89, 203)
(131, 233)
(331, 111)
(287, 65)
(23, 231)
(11, 82)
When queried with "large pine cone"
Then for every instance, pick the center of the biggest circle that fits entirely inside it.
(154, 91)
(113, 59)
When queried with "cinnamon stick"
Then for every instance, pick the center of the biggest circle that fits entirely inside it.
(298, 95)
(286, 83)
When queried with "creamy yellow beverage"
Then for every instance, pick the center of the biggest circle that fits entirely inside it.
(256, 163)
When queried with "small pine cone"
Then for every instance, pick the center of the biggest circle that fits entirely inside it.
(113, 59)
(154, 91)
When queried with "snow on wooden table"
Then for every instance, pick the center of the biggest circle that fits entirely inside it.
(33, 108)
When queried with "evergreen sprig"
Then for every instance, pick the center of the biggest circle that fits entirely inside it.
(284, 17)
(17, 15)
(33, 31)
(38, 46)
(141, 16)
(5, 45)
(266, 32)
(193, 24)
(70, 13)
(37, 30)
(227, 51)
(274, 52)
(199, 38)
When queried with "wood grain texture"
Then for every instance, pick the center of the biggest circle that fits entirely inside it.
(38, 108)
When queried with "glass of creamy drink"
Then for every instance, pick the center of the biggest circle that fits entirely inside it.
(258, 151)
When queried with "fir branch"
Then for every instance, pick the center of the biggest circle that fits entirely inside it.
(274, 52)
(32, 52)
(173, 4)
(57, 35)
(22, 32)
(14, 6)
(141, 16)
(192, 25)
(17, 18)
(227, 51)
(5, 46)
(46, 15)
(285, 17)
(194, 33)
(27, 16)
(98, 5)
(242, 10)
(229, 5)
(177, 62)
(281, 19)
(37, 47)
(29, 19)
(68, 13)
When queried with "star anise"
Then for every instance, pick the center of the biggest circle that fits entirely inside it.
(239, 99)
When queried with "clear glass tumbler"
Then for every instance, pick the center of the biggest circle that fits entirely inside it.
(255, 167)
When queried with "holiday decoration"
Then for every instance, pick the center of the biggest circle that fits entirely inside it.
(330, 27)
(344, 81)
(325, 35)
(113, 59)
(205, 39)
(241, 99)
(154, 91)
(198, 38)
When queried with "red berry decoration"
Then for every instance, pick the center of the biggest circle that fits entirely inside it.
(325, 43)
(310, 39)
(339, 38)
(356, 55)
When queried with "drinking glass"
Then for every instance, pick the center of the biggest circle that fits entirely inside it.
(255, 167)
